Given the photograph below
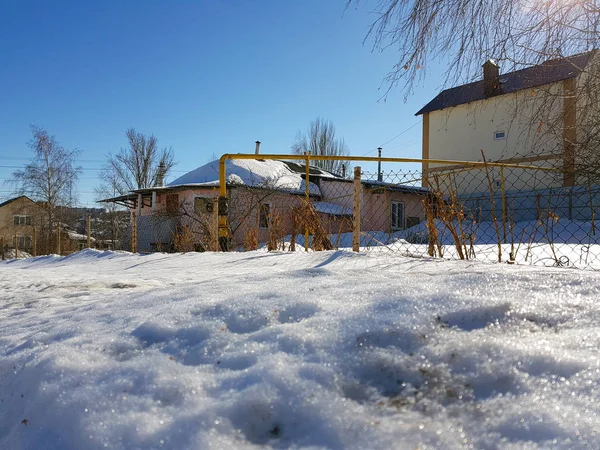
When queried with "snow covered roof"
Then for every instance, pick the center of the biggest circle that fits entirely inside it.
(332, 209)
(79, 237)
(278, 175)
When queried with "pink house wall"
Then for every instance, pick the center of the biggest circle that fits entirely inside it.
(244, 211)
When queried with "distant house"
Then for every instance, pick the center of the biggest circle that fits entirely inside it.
(263, 194)
(22, 220)
(498, 115)
(18, 217)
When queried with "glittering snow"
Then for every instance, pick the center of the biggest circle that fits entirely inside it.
(277, 350)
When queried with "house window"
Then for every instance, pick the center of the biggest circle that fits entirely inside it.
(397, 215)
(265, 212)
(499, 135)
(22, 220)
(24, 241)
(172, 204)
(203, 205)
(412, 222)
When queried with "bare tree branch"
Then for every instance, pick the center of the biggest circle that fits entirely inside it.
(321, 140)
(463, 33)
(51, 176)
(141, 165)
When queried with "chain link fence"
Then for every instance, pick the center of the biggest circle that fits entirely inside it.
(485, 212)
(470, 211)
(490, 213)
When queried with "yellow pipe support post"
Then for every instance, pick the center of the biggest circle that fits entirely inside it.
(307, 192)
(223, 206)
(503, 202)
(356, 211)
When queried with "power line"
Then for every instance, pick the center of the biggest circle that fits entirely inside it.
(21, 158)
(82, 168)
(395, 137)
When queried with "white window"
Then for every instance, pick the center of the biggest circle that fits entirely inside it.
(22, 220)
(499, 135)
(263, 218)
(397, 215)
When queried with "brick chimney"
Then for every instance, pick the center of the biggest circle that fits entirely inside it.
(491, 78)
(160, 176)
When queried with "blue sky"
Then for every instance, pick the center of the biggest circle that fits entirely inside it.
(205, 77)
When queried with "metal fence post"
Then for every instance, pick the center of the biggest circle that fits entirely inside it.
(307, 191)
(16, 246)
(88, 231)
(58, 239)
(133, 232)
(34, 242)
(2, 247)
(503, 202)
(356, 211)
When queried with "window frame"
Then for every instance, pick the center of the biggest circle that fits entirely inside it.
(172, 204)
(26, 220)
(24, 241)
(402, 224)
(265, 206)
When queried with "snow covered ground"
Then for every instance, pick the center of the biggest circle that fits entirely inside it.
(322, 350)
(564, 243)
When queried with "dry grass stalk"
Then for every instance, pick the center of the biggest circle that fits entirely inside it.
(183, 239)
(250, 239)
(276, 240)
(292, 247)
(308, 218)
(434, 242)
(451, 214)
(593, 222)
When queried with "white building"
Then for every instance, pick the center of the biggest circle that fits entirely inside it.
(524, 117)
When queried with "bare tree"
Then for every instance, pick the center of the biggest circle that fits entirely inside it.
(141, 165)
(321, 140)
(463, 33)
(115, 221)
(50, 178)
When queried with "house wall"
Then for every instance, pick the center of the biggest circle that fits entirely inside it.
(587, 117)
(21, 206)
(245, 212)
(376, 208)
(337, 192)
(461, 132)
(158, 231)
(375, 203)
(157, 228)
